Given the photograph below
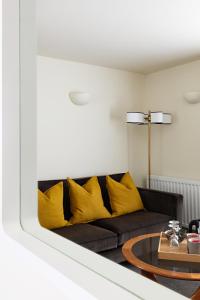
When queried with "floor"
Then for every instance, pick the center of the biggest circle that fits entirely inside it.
(186, 288)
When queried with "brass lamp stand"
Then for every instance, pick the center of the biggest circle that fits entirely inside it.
(148, 119)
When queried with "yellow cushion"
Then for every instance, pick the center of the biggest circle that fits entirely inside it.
(50, 207)
(124, 196)
(86, 201)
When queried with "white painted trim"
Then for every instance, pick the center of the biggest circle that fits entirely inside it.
(100, 277)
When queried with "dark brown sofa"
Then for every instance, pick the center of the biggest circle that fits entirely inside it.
(106, 236)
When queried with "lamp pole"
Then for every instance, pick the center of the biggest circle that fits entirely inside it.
(148, 119)
(157, 117)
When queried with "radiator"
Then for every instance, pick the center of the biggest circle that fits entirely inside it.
(190, 208)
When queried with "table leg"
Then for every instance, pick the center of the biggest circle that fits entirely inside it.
(196, 295)
(150, 276)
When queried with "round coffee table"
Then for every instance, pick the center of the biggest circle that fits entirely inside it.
(142, 252)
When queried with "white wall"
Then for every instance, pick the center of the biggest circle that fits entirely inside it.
(85, 140)
(94, 139)
(176, 148)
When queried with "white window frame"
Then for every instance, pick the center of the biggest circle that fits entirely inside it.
(100, 277)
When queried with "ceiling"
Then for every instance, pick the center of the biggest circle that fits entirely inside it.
(135, 35)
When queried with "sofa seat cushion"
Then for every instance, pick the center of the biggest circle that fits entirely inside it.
(133, 224)
(89, 236)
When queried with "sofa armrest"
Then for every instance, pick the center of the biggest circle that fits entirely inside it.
(161, 202)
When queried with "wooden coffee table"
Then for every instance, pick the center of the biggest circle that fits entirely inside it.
(142, 252)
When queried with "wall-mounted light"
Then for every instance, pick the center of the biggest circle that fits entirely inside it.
(79, 98)
(192, 97)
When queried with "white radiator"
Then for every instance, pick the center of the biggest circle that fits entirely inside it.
(190, 209)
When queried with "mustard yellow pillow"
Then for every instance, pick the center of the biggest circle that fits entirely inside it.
(86, 201)
(124, 196)
(50, 207)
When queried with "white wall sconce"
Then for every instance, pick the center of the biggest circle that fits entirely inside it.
(79, 98)
(192, 97)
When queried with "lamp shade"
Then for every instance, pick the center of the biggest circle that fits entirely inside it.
(135, 117)
(160, 117)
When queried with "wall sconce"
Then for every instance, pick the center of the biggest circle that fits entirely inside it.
(192, 97)
(79, 98)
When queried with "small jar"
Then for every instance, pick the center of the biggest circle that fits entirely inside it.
(193, 244)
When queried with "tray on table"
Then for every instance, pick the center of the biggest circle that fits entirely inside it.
(171, 253)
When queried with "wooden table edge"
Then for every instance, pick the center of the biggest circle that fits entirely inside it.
(134, 260)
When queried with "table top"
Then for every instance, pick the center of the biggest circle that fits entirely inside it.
(142, 252)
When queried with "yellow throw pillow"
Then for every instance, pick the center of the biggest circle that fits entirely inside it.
(86, 201)
(124, 196)
(50, 207)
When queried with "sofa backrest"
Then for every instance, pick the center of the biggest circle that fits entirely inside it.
(46, 184)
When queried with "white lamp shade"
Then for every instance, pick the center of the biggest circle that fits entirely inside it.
(160, 117)
(157, 117)
(79, 98)
(135, 117)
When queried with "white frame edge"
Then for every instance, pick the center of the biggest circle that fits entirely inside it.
(100, 277)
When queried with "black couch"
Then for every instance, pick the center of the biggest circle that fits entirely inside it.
(106, 236)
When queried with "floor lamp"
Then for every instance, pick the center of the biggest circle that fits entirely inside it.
(149, 118)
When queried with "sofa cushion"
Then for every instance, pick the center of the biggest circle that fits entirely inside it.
(124, 196)
(50, 207)
(92, 237)
(133, 224)
(86, 201)
(46, 184)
